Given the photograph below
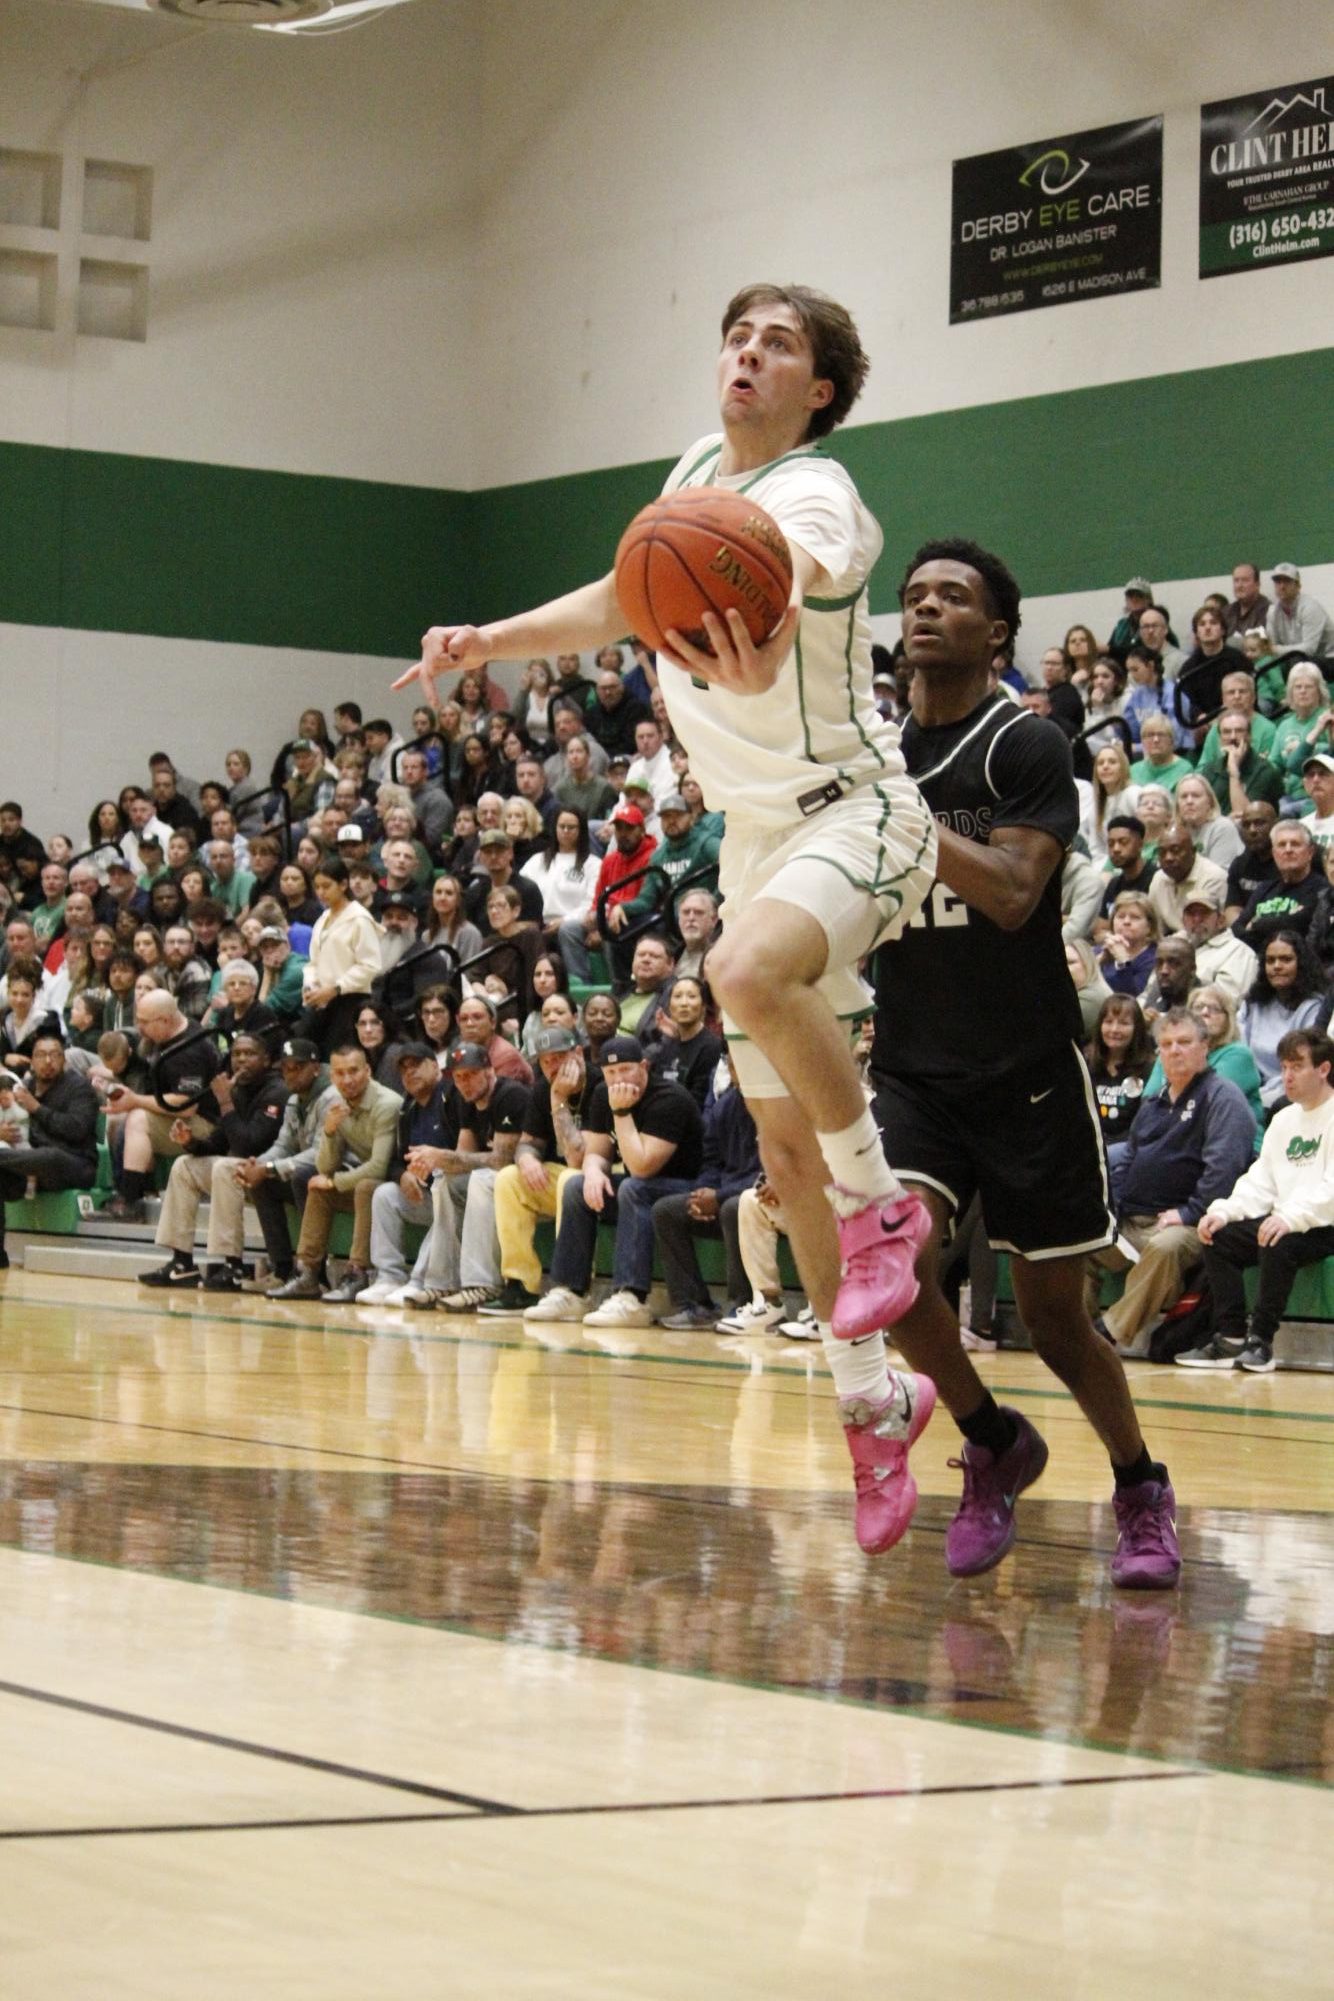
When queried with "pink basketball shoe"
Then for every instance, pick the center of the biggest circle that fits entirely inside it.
(878, 1244)
(879, 1435)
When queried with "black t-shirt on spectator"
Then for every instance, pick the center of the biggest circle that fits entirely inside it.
(1279, 906)
(666, 1111)
(539, 1124)
(506, 1111)
(477, 891)
(1119, 884)
(1067, 707)
(1199, 688)
(436, 1123)
(1246, 874)
(1119, 1098)
(691, 1064)
(185, 1067)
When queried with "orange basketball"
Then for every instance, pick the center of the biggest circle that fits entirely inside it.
(703, 549)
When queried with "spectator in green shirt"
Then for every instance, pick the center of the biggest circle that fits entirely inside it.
(1239, 775)
(49, 916)
(1305, 731)
(281, 971)
(233, 887)
(1160, 764)
(1238, 692)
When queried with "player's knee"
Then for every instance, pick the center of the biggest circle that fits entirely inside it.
(1056, 1333)
(745, 975)
(787, 1166)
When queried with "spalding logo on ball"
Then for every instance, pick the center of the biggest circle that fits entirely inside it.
(703, 549)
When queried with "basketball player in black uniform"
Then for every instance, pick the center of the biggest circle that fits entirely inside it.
(980, 1083)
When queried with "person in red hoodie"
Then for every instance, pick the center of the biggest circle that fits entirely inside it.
(632, 848)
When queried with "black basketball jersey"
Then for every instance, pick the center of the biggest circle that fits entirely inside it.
(955, 995)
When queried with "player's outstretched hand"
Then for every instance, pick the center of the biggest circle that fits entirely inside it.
(736, 662)
(445, 650)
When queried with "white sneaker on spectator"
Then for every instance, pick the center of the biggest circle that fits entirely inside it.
(623, 1309)
(559, 1304)
(756, 1318)
(803, 1328)
(977, 1344)
(403, 1295)
(379, 1293)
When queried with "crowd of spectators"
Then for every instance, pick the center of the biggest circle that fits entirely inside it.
(347, 985)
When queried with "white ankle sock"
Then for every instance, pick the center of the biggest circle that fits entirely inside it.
(859, 1368)
(856, 1159)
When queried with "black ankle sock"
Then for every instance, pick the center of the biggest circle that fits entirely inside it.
(183, 1260)
(1143, 1469)
(133, 1184)
(989, 1427)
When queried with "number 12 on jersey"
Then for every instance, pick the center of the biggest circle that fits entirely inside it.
(941, 908)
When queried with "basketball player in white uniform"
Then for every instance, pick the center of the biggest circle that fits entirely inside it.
(829, 848)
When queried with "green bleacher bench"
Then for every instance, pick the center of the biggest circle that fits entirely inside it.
(709, 1250)
(1312, 1295)
(51, 1215)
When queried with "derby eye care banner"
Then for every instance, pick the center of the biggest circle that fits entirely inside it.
(1061, 219)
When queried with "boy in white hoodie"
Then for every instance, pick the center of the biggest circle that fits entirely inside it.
(1279, 1216)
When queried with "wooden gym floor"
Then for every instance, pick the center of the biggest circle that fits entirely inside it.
(371, 1655)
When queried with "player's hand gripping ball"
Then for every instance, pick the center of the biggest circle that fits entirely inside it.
(703, 549)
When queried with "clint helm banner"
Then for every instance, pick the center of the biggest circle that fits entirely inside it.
(1062, 219)
(1267, 179)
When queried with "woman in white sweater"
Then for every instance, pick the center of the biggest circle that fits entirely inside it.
(566, 872)
(344, 960)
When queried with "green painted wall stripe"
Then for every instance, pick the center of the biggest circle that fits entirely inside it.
(1178, 473)
(105, 542)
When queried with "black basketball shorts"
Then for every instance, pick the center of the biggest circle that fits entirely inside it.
(1029, 1143)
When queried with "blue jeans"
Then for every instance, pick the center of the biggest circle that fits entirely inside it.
(630, 1205)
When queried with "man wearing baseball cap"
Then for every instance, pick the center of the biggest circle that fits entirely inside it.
(276, 1179)
(121, 888)
(351, 843)
(496, 870)
(428, 1121)
(1298, 623)
(549, 1152)
(637, 790)
(398, 925)
(1221, 960)
(656, 1131)
(458, 1266)
(631, 849)
(1138, 597)
(685, 850)
(1318, 785)
(281, 971)
(310, 787)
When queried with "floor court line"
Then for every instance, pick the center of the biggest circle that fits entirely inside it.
(925, 1712)
(252, 1750)
(707, 1362)
(618, 1807)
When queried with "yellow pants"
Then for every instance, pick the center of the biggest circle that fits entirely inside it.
(518, 1208)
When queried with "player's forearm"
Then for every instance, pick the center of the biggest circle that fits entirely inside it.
(1004, 886)
(582, 619)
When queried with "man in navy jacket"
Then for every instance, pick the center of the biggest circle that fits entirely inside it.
(730, 1165)
(1189, 1145)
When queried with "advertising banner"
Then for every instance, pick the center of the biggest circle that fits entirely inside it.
(1061, 219)
(1267, 179)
